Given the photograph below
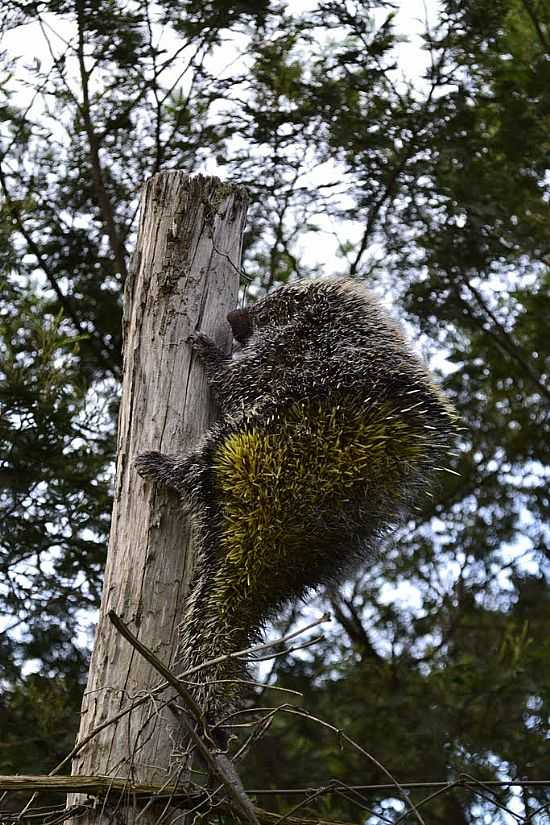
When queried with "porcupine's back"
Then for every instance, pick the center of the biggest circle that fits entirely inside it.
(339, 430)
(305, 498)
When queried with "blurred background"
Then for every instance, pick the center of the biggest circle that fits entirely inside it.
(402, 143)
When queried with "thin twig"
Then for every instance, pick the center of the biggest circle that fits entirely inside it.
(164, 685)
(214, 760)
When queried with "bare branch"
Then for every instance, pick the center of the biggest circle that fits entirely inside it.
(105, 205)
(217, 762)
(503, 339)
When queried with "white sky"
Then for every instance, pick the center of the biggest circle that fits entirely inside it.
(315, 248)
(28, 41)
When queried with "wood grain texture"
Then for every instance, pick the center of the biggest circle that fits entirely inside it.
(183, 278)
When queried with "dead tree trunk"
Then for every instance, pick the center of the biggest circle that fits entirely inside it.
(184, 277)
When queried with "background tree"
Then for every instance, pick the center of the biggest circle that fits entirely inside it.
(433, 188)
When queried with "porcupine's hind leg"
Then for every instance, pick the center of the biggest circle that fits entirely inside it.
(179, 472)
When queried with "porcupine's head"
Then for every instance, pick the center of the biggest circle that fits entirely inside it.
(317, 339)
(285, 305)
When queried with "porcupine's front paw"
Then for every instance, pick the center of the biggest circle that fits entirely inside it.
(152, 466)
(205, 348)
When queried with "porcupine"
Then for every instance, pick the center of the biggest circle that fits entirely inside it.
(329, 428)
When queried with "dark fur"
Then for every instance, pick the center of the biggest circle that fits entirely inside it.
(320, 346)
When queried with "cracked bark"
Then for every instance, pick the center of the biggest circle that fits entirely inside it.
(184, 277)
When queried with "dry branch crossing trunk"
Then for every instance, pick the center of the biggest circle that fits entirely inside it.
(184, 277)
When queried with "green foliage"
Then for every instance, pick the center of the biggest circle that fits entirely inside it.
(55, 445)
(37, 718)
(436, 191)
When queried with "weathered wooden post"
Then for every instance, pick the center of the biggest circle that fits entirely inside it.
(184, 277)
